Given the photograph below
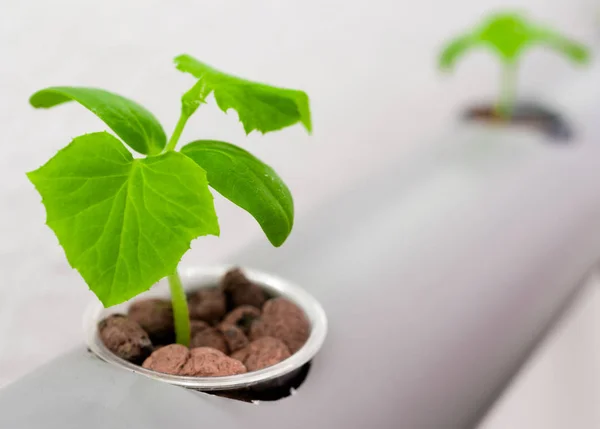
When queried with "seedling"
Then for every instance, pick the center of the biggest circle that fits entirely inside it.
(509, 35)
(124, 222)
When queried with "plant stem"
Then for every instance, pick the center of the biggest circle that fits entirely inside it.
(180, 310)
(508, 91)
(183, 118)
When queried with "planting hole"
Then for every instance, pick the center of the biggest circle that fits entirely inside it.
(280, 390)
(531, 115)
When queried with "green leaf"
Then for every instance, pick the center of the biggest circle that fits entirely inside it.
(454, 50)
(575, 51)
(509, 35)
(248, 182)
(260, 107)
(130, 121)
(124, 223)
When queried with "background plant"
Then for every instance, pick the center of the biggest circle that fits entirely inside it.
(509, 35)
(124, 222)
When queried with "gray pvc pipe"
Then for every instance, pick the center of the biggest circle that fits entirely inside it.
(439, 276)
(436, 299)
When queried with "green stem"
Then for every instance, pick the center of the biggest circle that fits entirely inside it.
(508, 90)
(181, 314)
(183, 118)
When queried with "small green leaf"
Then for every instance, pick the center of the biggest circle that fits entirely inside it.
(248, 182)
(130, 121)
(260, 107)
(454, 50)
(124, 223)
(576, 52)
(509, 34)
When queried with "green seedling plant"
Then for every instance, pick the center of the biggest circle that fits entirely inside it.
(509, 36)
(125, 222)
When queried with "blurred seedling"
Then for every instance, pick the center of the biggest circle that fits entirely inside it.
(509, 36)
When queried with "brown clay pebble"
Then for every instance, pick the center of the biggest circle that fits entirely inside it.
(197, 326)
(242, 317)
(210, 337)
(208, 362)
(240, 354)
(284, 320)
(234, 336)
(155, 316)
(125, 338)
(208, 305)
(257, 330)
(241, 291)
(265, 352)
(168, 359)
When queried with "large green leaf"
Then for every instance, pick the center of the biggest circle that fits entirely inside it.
(248, 182)
(260, 107)
(130, 121)
(124, 223)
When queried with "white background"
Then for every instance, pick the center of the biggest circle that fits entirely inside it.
(369, 68)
